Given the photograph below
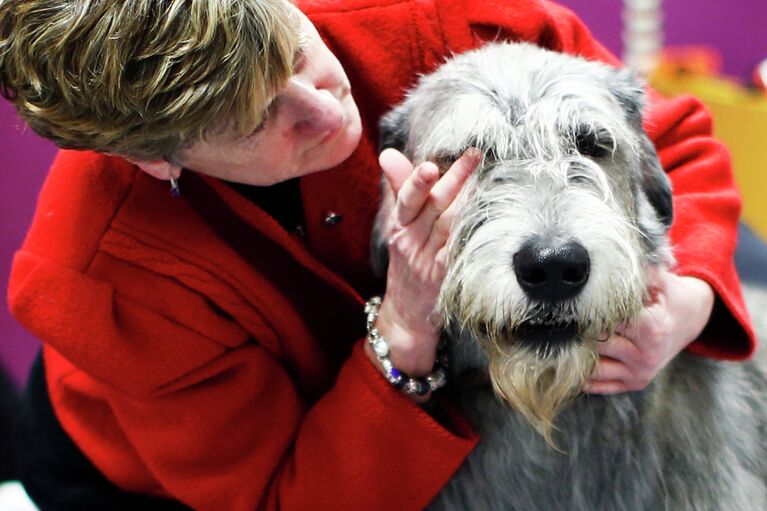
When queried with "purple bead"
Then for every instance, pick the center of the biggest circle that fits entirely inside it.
(395, 373)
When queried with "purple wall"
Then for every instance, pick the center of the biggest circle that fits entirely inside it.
(737, 28)
(24, 158)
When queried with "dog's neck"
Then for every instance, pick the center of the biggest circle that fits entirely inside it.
(471, 379)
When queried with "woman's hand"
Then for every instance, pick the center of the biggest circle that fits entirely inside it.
(419, 226)
(679, 310)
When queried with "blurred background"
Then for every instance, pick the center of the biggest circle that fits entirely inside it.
(709, 47)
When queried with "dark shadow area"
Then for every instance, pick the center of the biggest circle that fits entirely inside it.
(10, 429)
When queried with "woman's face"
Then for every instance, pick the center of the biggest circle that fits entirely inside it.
(312, 124)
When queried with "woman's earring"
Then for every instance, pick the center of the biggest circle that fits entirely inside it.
(175, 191)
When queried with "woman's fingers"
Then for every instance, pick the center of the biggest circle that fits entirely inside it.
(415, 193)
(623, 366)
(610, 377)
(423, 197)
(639, 349)
(606, 387)
(440, 230)
(439, 210)
(396, 167)
(608, 369)
(426, 196)
(411, 186)
(617, 347)
(423, 211)
(447, 188)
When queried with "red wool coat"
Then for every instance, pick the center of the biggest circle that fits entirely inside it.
(196, 349)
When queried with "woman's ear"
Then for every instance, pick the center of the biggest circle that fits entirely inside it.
(161, 169)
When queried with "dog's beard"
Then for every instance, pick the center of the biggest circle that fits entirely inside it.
(539, 385)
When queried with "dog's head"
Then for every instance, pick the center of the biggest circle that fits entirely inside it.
(556, 228)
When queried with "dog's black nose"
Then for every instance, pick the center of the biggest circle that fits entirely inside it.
(552, 271)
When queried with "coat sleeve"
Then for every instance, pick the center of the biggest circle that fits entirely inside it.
(235, 435)
(706, 200)
(168, 397)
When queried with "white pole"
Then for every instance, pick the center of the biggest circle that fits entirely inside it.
(642, 33)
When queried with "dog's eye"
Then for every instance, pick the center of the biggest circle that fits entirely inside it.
(578, 178)
(589, 143)
(444, 161)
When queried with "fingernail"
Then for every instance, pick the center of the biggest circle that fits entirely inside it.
(473, 152)
(428, 171)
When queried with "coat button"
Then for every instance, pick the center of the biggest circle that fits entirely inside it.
(332, 218)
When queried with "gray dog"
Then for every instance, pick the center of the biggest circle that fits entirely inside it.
(554, 237)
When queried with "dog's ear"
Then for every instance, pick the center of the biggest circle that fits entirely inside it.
(629, 90)
(394, 131)
(655, 182)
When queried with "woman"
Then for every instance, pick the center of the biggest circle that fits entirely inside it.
(208, 351)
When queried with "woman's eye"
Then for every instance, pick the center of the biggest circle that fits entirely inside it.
(444, 161)
(261, 125)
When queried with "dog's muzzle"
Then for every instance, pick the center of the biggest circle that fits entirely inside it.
(550, 273)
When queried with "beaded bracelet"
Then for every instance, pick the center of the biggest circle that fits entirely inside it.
(417, 386)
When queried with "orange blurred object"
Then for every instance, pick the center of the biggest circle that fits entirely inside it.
(740, 117)
(695, 60)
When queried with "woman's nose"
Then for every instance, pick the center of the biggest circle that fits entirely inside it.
(311, 111)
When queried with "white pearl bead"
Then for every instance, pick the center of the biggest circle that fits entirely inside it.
(381, 348)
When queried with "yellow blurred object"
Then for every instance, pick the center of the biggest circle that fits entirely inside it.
(740, 121)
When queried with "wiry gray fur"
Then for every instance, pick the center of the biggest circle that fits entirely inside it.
(695, 438)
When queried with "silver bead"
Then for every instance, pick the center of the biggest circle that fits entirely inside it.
(436, 380)
(387, 365)
(411, 387)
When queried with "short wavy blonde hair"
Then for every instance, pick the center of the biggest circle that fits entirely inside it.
(143, 78)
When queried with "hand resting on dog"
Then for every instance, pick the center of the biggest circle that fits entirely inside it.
(629, 360)
(418, 230)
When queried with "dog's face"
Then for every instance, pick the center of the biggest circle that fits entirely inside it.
(556, 228)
